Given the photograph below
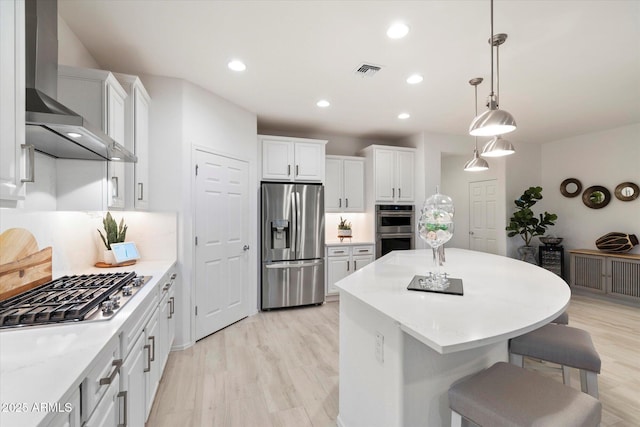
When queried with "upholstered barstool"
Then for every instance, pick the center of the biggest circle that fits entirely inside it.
(564, 345)
(506, 395)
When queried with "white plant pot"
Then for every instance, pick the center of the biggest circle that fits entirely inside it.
(344, 233)
(107, 257)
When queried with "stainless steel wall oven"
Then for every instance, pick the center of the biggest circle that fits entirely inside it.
(395, 228)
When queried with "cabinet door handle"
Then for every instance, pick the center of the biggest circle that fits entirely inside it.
(347, 265)
(148, 368)
(288, 170)
(114, 186)
(30, 164)
(338, 252)
(171, 306)
(355, 265)
(339, 203)
(297, 171)
(363, 250)
(346, 201)
(153, 349)
(399, 192)
(393, 193)
(123, 394)
(140, 191)
(116, 368)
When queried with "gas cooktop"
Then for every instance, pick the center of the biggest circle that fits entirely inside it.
(87, 297)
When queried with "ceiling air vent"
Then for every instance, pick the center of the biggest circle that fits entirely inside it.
(367, 70)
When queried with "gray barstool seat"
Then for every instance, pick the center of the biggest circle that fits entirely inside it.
(563, 319)
(506, 395)
(564, 345)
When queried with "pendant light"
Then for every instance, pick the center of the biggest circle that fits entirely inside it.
(477, 163)
(493, 121)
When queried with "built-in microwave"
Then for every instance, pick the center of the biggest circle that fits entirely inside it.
(395, 228)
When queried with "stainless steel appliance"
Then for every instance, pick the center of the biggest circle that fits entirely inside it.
(395, 228)
(292, 245)
(71, 299)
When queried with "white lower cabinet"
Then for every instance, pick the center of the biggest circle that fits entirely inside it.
(345, 259)
(107, 413)
(68, 411)
(132, 384)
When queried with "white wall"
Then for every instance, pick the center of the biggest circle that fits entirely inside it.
(605, 158)
(455, 184)
(183, 117)
(71, 51)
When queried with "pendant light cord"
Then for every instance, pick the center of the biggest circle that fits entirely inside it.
(491, 45)
(475, 87)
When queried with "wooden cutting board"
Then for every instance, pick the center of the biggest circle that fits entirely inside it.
(22, 265)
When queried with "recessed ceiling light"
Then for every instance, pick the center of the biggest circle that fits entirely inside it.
(414, 79)
(116, 158)
(236, 65)
(323, 103)
(404, 116)
(397, 30)
(74, 135)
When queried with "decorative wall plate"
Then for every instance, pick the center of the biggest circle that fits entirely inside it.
(571, 187)
(627, 191)
(596, 197)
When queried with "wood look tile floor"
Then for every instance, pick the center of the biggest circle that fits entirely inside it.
(280, 368)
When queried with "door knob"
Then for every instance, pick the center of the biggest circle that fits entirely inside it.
(245, 248)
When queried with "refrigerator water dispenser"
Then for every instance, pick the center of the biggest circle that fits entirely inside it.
(280, 234)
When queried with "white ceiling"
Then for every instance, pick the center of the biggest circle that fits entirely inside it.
(568, 67)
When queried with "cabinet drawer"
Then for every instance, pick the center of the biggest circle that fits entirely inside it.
(362, 250)
(338, 251)
(137, 321)
(103, 372)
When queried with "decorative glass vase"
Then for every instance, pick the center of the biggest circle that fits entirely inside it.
(435, 227)
(528, 254)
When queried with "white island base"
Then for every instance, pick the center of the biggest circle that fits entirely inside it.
(401, 350)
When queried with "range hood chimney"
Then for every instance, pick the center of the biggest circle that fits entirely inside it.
(52, 128)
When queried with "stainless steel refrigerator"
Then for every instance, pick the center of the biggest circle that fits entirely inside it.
(292, 245)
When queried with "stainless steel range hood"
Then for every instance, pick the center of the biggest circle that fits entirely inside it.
(52, 128)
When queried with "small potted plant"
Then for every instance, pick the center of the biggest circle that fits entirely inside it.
(525, 223)
(344, 228)
(113, 233)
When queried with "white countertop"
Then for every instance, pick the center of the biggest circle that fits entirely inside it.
(348, 242)
(40, 364)
(503, 297)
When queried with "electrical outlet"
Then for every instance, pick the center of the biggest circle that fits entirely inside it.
(379, 347)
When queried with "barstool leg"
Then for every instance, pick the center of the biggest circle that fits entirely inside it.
(589, 382)
(456, 419)
(566, 375)
(516, 359)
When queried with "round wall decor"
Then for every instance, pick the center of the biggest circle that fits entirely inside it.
(627, 191)
(571, 187)
(596, 197)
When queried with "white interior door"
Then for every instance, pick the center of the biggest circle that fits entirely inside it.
(483, 216)
(221, 247)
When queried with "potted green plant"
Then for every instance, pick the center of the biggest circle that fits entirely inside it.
(344, 228)
(526, 224)
(113, 233)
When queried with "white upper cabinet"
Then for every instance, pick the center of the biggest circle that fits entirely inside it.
(98, 96)
(344, 184)
(392, 173)
(292, 159)
(136, 140)
(15, 166)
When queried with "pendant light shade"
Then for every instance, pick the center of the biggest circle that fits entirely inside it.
(493, 121)
(497, 147)
(476, 164)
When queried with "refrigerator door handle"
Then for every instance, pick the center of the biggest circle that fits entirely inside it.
(301, 265)
(298, 226)
(294, 225)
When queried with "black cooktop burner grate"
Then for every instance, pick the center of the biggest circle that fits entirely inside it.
(69, 298)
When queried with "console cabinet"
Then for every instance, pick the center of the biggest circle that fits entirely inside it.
(292, 159)
(612, 275)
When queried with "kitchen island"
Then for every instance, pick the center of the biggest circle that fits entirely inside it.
(401, 350)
